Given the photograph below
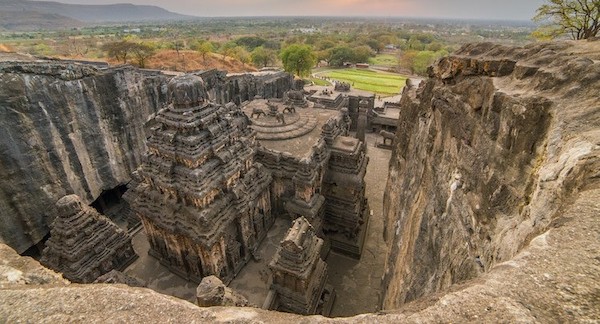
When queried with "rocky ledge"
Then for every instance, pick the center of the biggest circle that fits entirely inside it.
(556, 278)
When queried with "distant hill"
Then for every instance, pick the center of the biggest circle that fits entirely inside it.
(32, 20)
(84, 13)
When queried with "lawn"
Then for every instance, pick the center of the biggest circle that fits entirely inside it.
(379, 82)
(388, 60)
(319, 82)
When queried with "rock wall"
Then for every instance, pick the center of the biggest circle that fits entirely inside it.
(67, 129)
(488, 149)
(240, 87)
(554, 278)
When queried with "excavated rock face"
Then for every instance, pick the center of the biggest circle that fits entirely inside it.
(66, 129)
(487, 151)
(555, 278)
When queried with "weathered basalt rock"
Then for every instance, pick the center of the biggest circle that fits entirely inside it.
(118, 277)
(213, 292)
(555, 276)
(487, 151)
(83, 134)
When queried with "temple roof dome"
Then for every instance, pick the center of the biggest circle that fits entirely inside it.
(187, 91)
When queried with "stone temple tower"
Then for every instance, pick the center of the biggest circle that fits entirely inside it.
(85, 244)
(203, 200)
(299, 274)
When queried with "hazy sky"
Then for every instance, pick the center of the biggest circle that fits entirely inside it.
(486, 9)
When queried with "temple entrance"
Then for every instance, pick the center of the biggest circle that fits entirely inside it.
(35, 251)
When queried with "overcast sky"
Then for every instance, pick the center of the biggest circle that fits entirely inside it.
(475, 9)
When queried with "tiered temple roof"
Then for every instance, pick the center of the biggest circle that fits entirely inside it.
(85, 244)
(347, 209)
(203, 200)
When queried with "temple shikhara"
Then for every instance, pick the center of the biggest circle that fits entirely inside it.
(203, 200)
(298, 273)
(85, 244)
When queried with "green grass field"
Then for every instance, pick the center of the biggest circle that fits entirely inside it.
(319, 82)
(388, 60)
(378, 82)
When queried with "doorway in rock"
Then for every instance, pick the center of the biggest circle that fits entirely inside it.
(35, 251)
(111, 203)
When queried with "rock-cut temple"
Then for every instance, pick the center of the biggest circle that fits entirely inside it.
(203, 200)
(208, 192)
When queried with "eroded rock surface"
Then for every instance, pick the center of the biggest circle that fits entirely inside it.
(66, 129)
(487, 152)
(213, 292)
(504, 163)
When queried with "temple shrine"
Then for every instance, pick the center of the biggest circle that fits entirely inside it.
(85, 244)
(203, 200)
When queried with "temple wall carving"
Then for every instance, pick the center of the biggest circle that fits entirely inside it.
(204, 202)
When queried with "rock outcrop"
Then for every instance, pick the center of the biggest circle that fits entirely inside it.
(488, 150)
(213, 292)
(499, 149)
(555, 279)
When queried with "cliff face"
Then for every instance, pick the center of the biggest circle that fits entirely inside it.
(66, 129)
(488, 149)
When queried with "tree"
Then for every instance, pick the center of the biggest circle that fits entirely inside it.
(262, 57)
(227, 49)
(362, 54)
(177, 45)
(340, 55)
(241, 54)
(204, 48)
(250, 42)
(119, 50)
(298, 59)
(141, 52)
(417, 62)
(375, 45)
(578, 18)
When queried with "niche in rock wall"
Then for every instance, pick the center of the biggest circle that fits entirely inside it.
(35, 251)
(112, 205)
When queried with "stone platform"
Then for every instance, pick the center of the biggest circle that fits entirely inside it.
(297, 124)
